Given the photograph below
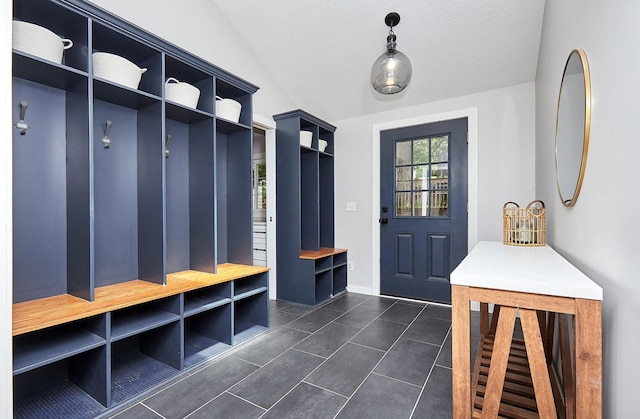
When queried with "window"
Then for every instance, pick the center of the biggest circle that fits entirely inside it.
(422, 177)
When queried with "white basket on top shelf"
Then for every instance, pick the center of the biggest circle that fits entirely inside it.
(228, 109)
(181, 92)
(38, 41)
(117, 69)
(305, 138)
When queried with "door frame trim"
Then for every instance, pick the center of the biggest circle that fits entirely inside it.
(269, 127)
(472, 179)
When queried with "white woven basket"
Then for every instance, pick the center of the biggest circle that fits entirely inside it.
(38, 41)
(322, 145)
(228, 109)
(181, 92)
(305, 138)
(117, 69)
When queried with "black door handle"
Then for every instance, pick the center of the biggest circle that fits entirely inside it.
(383, 221)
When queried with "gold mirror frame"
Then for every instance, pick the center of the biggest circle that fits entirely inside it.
(576, 135)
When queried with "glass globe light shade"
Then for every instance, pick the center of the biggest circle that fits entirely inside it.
(391, 72)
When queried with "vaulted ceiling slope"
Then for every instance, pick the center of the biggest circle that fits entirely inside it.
(321, 52)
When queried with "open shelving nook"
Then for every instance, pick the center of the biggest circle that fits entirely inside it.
(316, 271)
(130, 338)
(132, 218)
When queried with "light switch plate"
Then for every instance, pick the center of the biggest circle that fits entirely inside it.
(351, 206)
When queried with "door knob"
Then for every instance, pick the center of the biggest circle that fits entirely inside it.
(383, 221)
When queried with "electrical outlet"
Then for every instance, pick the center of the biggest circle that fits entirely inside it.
(351, 206)
(350, 265)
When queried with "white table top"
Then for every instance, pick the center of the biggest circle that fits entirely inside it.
(537, 270)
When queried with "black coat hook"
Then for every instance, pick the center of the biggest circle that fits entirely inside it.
(106, 140)
(21, 125)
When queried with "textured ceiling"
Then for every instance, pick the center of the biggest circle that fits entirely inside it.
(321, 52)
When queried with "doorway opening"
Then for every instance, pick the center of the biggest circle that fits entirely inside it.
(259, 197)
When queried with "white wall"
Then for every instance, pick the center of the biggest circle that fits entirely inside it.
(601, 233)
(505, 160)
(6, 220)
(199, 27)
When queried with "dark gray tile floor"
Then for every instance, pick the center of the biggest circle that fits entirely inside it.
(355, 357)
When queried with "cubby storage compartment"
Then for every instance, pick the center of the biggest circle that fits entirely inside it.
(206, 298)
(112, 40)
(188, 74)
(42, 347)
(128, 193)
(251, 316)
(63, 389)
(50, 178)
(139, 318)
(339, 259)
(67, 362)
(309, 209)
(234, 206)
(306, 238)
(326, 135)
(190, 188)
(326, 202)
(226, 89)
(61, 21)
(251, 285)
(144, 360)
(324, 264)
(324, 286)
(207, 333)
(340, 278)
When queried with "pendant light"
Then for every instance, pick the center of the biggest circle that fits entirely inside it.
(391, 72)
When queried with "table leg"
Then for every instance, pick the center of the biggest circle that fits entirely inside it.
(499, 361)
(460, 353)
(538, 364)
(484, 318)
(588, 358)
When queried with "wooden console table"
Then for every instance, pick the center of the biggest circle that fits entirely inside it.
(538, 283)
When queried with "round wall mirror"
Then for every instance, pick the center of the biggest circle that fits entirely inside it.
(572, 127)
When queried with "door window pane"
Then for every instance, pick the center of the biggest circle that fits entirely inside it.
(403, 204)
(421, 177)
(403, 178)
(421, 204)
(440, 176)
(421, 151)
(439, 149)
(439, 203)
(403, 153)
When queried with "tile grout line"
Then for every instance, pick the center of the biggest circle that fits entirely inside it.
(288, 349)
(368, 347)
(325, 360)
(395, 379)
(378, 363)
(424, 386)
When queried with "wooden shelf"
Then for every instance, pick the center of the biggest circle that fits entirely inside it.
(518, 396)
(46, 312)
(323, 252)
